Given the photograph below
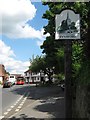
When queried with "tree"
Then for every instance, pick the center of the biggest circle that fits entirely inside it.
(37, 64)
(55, 8)
(50, 46)
(87, 46)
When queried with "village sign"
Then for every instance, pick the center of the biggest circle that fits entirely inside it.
(67, 25)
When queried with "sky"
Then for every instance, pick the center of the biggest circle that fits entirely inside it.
(21, 33)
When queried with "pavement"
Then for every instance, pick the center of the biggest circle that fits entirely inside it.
(43, 102)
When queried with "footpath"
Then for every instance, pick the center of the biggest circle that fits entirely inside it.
(43, 103)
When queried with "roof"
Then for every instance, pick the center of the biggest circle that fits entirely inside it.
(17, 75)
(2, 70)
(27, 71)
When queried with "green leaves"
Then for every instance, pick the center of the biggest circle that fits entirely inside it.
(53, 49)
(38, 64)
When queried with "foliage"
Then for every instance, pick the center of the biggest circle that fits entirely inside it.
(0, 83)
(52, 48)
(77, 57)
(60, 77)
(83, 77)
(8, 73)
(37, 64)
(80, 51)
(40, 63)
(60, 60)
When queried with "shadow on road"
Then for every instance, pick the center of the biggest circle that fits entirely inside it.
(54, 106)
(51, 100)
(38, 92)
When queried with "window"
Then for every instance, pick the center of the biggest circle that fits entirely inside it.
(11, 76)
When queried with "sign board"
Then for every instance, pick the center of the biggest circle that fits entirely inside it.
(67, 25)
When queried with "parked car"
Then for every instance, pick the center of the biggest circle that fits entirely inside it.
(63, 86)
(20, 81)
(7, 84)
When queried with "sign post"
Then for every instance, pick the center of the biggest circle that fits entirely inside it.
(68, 78)
(68, 29)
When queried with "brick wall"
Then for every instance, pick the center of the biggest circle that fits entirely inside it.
(2, 72)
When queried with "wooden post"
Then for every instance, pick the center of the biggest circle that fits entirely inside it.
(68, 78)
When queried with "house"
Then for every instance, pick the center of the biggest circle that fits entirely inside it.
(33, 77)
(3, 74)
(16, 75)
(27, 75)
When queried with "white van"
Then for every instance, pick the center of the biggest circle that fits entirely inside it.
(12, 79)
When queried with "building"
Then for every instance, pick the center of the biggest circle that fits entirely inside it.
(33, 77)
(16, 75)
(3, 74)
(27, 75)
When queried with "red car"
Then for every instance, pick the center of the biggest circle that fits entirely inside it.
(20, 81)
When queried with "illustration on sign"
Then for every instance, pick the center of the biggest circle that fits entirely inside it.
(67, 25)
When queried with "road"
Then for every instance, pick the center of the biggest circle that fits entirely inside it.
(21, 99)
(11, 97)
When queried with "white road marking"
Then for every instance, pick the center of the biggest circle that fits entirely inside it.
(12, 106)
(23, 102)
(25, 98)
(19, 106)
(16, 102)
(5, 113)
(20, 98)
(9, 110)
(16, 110)
(21, 109)
(1, 117)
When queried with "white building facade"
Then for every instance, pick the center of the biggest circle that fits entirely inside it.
(32, 77)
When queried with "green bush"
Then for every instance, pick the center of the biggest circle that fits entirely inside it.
(83, 77)
(60, 77)
(0, 83)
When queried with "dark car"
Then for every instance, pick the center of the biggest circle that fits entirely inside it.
(7, 84)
